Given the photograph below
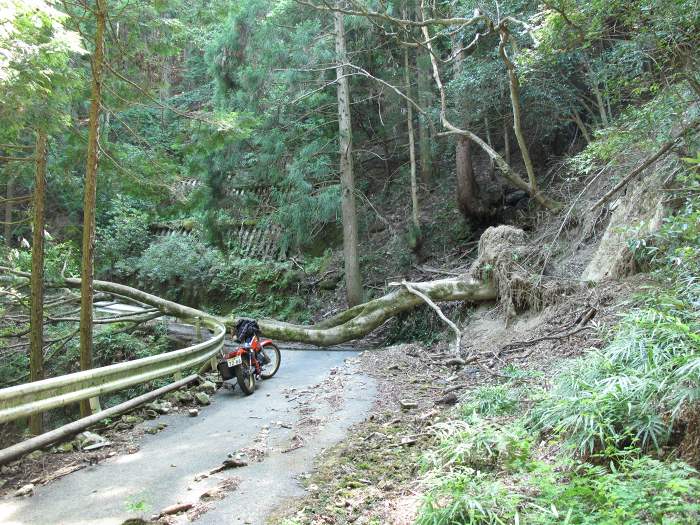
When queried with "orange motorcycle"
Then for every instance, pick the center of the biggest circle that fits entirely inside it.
(254, 359)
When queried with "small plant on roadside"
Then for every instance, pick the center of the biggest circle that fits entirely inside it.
(138, 503)
(493, 400)
(468, 497)
(478, 444)
(514, 373)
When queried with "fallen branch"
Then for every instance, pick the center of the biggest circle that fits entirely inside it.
(178, 508)
(511, 347)
(426, 300)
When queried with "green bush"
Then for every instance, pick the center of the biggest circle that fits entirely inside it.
(477, 443)
(114, 346)
(59, 258)
(633, 490)
(636, 490)
(185, 269)
(178, 266)
(492, 400)
(123, 237)
(468, 497)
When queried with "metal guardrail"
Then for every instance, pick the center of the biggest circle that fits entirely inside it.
(32, 398)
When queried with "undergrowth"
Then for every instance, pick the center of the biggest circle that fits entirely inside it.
(601, 446)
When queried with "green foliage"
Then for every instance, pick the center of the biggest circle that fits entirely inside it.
(35, 54)
(187, 270)
(641, 128)
(635, 490)
(179, 266)
(113, 345)
(60, 259)
(467, 497)
(123, 237)
(478, 444)
(493, 400)
(260, 289)
(424, 325)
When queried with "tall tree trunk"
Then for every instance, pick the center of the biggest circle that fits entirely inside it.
(467, 190)
(415, 211)
(353, 281)
(581, 126)
(514, 86)
(492, 164)
(36, 319)
(9, 206)
(87, 267)
(425, 99)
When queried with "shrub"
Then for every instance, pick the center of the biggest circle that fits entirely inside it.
(114, 346)
(467, 497)
(478, 444)
(179, 266)
(492, 400)
(59, 258)
(636, 490)
(121, 238)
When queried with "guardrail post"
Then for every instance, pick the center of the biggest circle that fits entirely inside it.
(95, 405)
(198, 334)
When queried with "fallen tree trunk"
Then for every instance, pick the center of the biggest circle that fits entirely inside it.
(496, 274)
(346, 326)
(350, 324)
(364, 318)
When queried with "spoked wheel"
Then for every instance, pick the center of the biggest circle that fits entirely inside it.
(273, 354)
(245, 375)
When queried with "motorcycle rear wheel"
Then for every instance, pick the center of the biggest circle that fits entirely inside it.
(246, 378)
(275, 356)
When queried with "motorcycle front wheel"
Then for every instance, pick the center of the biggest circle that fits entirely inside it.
(273, 353)
(245, 375)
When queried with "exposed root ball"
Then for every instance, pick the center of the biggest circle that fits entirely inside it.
(514, 268)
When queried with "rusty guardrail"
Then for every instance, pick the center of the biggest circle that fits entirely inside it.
(36, 397)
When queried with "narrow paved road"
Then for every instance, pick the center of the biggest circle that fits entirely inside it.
(308, 403)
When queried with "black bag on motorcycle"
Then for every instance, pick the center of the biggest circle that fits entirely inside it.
(246, 329)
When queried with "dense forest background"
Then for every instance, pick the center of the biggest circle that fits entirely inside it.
(288, 159)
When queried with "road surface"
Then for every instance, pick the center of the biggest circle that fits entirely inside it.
(309, 404)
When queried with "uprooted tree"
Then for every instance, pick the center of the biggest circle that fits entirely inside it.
(492, 276)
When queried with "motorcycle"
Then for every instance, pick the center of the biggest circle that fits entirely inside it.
(254, 359)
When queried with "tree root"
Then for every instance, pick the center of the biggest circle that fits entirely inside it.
(515, 346)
